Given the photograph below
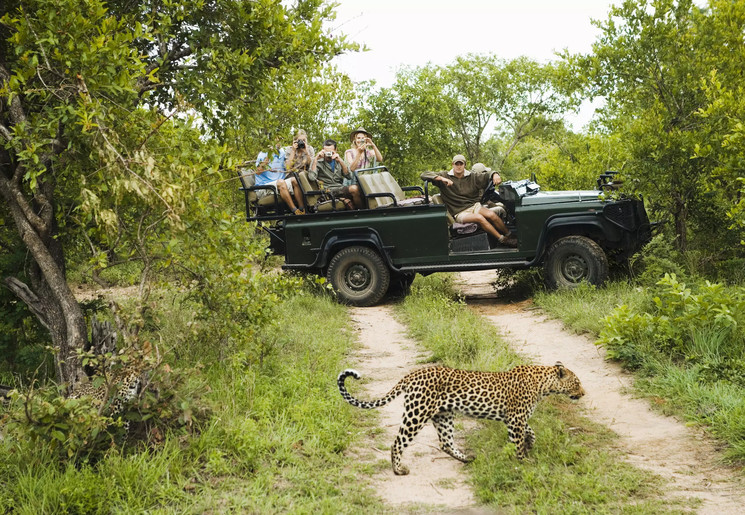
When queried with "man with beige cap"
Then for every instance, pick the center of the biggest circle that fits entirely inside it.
(461, 191)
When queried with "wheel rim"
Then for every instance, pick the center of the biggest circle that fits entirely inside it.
(574, 268)
(357, 278)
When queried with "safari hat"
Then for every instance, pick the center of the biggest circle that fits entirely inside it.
(459, 157)
(359, 130)
(480, 167)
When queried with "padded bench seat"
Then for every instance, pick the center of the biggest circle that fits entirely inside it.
(382, 190)
(267, 205)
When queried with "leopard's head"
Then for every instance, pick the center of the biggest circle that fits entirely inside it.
(565, 381)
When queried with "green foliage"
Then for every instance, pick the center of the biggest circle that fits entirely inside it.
(691, 323)
(121, 118)
(273, 439)
(71, 429)
(434, 112)
(675, 101)
(80, 430)
(657, 258)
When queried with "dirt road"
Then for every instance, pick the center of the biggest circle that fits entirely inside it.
(681, 455)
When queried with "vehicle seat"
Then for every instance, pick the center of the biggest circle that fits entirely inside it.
(268, 205)
(381, 190)
(316, 199)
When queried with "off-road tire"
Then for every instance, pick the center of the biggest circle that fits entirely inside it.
(358, 275)
(574, 259)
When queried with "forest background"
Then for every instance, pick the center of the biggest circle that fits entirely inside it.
(123, 125)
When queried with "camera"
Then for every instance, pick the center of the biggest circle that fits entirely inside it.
(329, 154)
(300, 143)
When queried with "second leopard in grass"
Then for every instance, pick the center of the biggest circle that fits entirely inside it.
(437, 393)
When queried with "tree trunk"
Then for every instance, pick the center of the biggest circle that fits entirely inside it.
(49, 297)
(681, 217)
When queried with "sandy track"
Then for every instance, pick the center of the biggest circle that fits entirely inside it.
(436, 482)
(682, 455)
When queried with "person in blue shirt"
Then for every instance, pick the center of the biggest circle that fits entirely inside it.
(270, 170)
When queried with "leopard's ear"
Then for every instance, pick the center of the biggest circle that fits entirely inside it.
(560, 369)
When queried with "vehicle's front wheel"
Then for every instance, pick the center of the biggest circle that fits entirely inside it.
(359, 276)
(574, 259)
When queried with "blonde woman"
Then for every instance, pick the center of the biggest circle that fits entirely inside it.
(300, 153)
(364, 153)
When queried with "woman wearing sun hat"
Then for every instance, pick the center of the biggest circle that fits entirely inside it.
(364, 153)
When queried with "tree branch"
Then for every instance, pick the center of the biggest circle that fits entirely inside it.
(23, 292)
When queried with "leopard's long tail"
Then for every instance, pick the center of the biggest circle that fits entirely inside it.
(395, 392)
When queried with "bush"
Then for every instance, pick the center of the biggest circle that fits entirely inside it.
(657, 258)
(702, 324)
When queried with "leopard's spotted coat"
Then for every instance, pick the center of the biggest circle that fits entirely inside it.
(437, 393)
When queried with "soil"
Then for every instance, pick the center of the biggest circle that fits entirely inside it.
(684, 457)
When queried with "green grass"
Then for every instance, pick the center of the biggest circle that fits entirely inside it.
(697, 388)
(274, 442)
(574, 466)
(584, 308)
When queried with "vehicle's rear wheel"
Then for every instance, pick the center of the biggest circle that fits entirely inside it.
(574, 259)
(359, 276)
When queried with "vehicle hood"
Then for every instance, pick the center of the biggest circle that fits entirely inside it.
(560, 197)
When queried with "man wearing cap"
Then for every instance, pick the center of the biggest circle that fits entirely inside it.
(461, 191)
(364, 153)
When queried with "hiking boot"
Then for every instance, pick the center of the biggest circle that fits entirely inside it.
(509, 241)
(299, 212)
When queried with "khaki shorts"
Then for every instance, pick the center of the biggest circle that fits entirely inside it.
(263, 193)
(470, 211)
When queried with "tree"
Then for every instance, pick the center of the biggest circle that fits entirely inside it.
(95, 137)
(656, 63)
(433, 112)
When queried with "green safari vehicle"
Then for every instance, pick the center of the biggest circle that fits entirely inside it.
(367, 252)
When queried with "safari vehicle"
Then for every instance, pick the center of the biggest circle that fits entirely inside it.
(367, 252)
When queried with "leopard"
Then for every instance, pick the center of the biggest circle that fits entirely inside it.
(122, 377)
(115, 393)
(437, 393)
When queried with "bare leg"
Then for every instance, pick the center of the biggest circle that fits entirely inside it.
(356, 196)
(494, 219)
(298, 194)
(284, 193)
(479, 219)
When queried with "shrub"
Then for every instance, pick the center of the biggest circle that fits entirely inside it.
(702, 324)
(657, 258)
